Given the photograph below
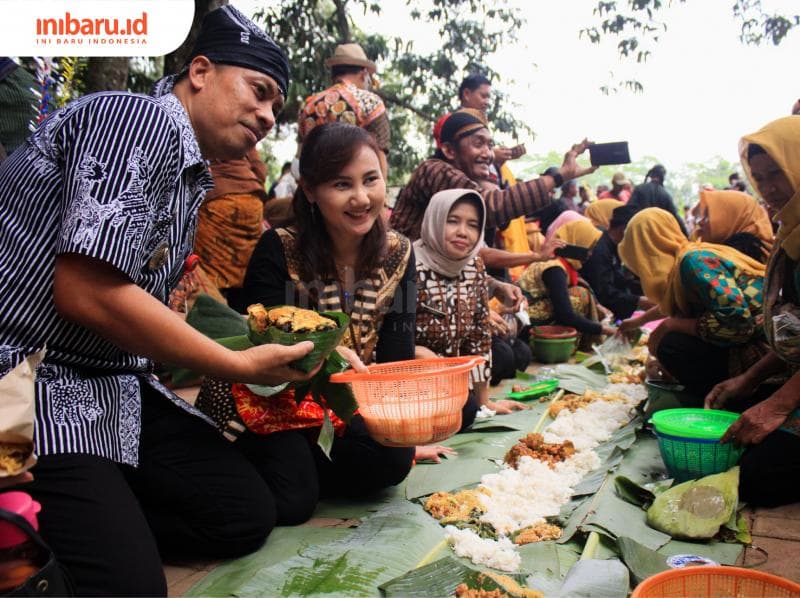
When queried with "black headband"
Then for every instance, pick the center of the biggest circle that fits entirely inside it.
(462, 123)
(228, 37)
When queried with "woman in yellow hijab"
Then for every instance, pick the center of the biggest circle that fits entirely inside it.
(557, 294)
(736, 219)
(600, 211)
(771, 427)
(711, 295)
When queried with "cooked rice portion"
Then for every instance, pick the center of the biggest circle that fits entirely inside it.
(534, 446)
(461, 506)
(574, 402)
(498, 554)
(538, 533)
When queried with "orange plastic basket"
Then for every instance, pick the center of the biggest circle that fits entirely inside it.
(715, 582)
(408, 403)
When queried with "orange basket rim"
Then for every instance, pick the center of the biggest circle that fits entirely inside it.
(708, 570)
(456, 366)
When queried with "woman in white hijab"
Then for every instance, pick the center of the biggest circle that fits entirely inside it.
(452, 290)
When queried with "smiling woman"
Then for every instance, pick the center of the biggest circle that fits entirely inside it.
(338, 257)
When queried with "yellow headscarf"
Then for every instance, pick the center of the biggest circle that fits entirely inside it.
(599, 212)
(578, 232)
(731, 212)
(781, 140)
(653, 248)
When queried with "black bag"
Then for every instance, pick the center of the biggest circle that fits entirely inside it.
(49, 580)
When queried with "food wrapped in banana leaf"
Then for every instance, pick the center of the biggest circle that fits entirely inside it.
(289, 325)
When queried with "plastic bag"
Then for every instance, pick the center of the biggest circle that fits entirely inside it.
(18, 392)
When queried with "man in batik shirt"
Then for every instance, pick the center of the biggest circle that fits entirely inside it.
(349, 99)
(99, 208)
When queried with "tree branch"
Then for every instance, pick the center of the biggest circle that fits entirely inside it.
(342, 24)
(391, 98)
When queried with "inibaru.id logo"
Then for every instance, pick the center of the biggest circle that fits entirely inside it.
(69, 25)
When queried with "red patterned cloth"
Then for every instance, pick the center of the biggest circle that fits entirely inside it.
(264, 415)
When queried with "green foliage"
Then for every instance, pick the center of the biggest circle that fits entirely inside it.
(635, 25)
(416, 87)
(683, 182)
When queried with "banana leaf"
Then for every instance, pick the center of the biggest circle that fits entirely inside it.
(596, 579)
(519, 420)
(577, 379)
(441, 577)
(283, 543)
(610, 515)
(324, 341)
(386, 545)
(640, 560)
(361, 508)
(215, 320)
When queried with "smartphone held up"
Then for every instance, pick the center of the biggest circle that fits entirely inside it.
(615, 152)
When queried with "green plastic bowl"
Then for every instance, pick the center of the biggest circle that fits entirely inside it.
(688, 440)
(553, 350)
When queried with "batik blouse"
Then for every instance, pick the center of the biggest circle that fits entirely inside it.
(726, 301)
(453, 314)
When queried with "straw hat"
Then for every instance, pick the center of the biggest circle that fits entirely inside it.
(619, 179)
(351, 55)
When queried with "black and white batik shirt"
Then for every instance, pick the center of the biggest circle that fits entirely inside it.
(118, 177)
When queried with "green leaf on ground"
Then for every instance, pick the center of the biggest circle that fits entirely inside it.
(641, 561)
(577, 379)
(519, 420)
(384, 546)
(441, 577)
(283, 543)
(631, 492)
(596, 579)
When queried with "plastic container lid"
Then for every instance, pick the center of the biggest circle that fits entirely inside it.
(705, 424)
(23, 505)
(536, 389)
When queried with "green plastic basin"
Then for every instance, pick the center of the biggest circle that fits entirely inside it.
(553, 350)
(705, 424)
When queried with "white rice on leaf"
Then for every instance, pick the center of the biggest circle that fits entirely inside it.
(499, 554)
(526, 496)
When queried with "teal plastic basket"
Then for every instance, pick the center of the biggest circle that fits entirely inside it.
(688, 458)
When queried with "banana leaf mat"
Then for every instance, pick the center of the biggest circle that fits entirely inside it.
(389, 541)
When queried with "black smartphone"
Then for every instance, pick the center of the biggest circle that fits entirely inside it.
(572, 252)
(615, 152)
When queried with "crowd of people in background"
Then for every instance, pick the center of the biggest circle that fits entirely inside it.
(101, 223)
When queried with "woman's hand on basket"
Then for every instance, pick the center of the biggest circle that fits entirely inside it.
(432, 452)
(352, 358)
(505, 406)
(732, 388)
(757, 422)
